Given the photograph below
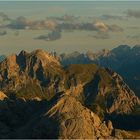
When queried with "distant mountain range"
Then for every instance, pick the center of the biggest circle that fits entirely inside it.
(124, 59)
(39, 98)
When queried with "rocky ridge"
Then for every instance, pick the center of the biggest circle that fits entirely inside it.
(69, 102)
(122, 59)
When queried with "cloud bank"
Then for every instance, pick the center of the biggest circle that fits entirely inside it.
(24, 23)
(57, 24)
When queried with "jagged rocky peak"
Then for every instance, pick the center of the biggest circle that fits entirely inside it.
(44, 56)
(101, 87)
(90, 55)
(9, 67)
(93, 56)
(24, 58)
(40, 62)
(75, 121)
(125, 99)
(23, 53)
(16, 70)
(11, 60)
(104, 52)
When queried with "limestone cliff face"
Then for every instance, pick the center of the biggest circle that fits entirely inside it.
(17, 71)
(125, 99)
(101, 89)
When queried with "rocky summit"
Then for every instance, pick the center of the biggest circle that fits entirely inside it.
(41, 99)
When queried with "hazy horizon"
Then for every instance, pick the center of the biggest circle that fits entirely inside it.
(71, 25)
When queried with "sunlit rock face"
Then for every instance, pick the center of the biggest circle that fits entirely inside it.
(60, 102)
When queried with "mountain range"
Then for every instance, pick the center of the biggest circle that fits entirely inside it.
(40, 98)
(123, 59)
